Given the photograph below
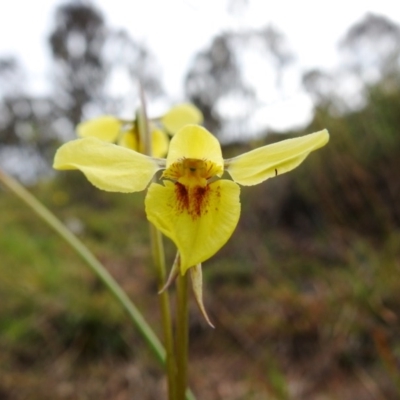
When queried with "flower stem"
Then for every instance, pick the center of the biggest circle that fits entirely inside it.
(159, 261)
(182, 335)
(99, 270)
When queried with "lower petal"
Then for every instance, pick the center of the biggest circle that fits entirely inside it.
(198, 226)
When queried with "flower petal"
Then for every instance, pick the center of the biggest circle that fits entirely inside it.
(194, 141)
(105, 128)
(129, 139)
(108, 166)
(275, 159)
(199, 226)
(173, 274)
(180, 115)
(159, 143)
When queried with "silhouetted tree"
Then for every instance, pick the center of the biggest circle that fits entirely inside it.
(217, 81)
(320, 85)
(371, 56)
(371, 49)
(12, 77)
(278, 49)
(76, 44)
(87, 54)
(215, 74)
(25, 124)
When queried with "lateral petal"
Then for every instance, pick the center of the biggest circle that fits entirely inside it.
(275, 159)
(107, 166)
(198, 223)
(106, 128)
(194, 141)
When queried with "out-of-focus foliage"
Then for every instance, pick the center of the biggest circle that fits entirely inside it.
(357, 180)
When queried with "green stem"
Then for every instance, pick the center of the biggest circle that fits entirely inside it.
(172, 367)
(159, 260)
(134, 314)
(182, 335)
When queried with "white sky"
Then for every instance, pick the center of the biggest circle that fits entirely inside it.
(175, 30)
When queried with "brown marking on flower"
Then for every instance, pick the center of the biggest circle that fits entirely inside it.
(182, 197)
(193, 200)
(199, 201)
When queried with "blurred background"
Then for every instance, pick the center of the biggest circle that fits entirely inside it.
(306, 294)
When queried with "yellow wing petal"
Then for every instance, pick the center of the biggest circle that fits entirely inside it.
(198, 223)
(194, 141)
(275, 159)
(107, 166)
(105, 128)
(180, 115)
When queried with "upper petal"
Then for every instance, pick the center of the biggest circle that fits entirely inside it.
(180, 115)
(199, 226)
(275, 159)
(106, 128)
(194, 141)
(108, 166)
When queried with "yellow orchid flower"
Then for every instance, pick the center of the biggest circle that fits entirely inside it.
(192, 205)
(125, 133)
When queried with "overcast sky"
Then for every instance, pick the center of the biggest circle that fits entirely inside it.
(174, 30)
